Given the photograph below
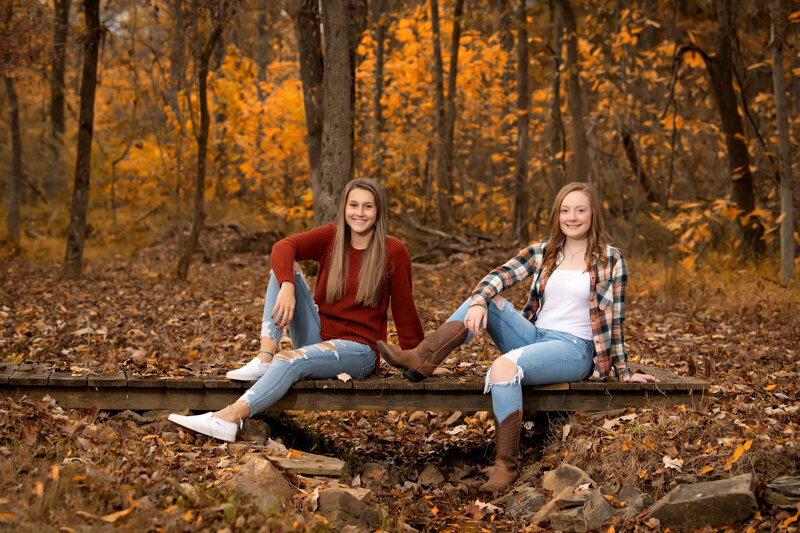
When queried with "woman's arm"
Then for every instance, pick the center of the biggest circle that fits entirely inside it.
(311, 244)
(404, 312)
(516, 269)
(308, 245)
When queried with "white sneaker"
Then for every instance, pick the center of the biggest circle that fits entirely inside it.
(249, 372)
(207, 425)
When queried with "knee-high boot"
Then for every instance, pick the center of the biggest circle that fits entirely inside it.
(505, 470)
(420, 362)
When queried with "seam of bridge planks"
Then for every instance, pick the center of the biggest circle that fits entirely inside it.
(127, 390)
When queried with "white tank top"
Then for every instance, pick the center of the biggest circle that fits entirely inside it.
(565, 304)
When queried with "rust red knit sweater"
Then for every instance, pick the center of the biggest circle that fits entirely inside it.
(346, 319)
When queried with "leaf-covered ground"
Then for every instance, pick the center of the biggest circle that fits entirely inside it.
(81, 470)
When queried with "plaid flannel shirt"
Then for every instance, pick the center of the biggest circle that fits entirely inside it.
(606, 299)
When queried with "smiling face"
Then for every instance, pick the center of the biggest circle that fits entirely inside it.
(361, 212)
(575, 216)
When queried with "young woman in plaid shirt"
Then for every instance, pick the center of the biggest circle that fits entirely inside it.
(570, 328)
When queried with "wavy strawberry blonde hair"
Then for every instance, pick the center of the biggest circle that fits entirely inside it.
(373, 261)
(599, 238)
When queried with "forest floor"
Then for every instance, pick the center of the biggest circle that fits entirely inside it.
(82, 470)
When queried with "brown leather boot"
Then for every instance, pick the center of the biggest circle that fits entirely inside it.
(505, 471)
(420, 362)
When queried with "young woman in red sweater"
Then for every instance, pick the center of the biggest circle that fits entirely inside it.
(337, 330)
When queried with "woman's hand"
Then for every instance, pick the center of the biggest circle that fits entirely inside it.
(475, 319)
(284, 304)
(640, 378)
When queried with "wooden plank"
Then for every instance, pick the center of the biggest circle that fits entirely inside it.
(185, 383)
(31, 374)
(146, 382)
(223, 383)
(621, 386)
(371, 384)
(401, 384)
(552, 386)
(305, 384)
(121, 398)
(472, 385)
(308, 463)
(6, 369)
(434, 384)
(334, 384)
(68, 379)
(110, 379)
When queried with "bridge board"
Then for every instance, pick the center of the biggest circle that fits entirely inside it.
(120, 390)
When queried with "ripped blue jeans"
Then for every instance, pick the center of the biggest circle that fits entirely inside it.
(542, 356)
(311, 357)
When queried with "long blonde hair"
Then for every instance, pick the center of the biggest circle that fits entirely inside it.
(372, 275)
(598, 238)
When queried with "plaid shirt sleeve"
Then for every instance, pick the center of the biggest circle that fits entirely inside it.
(513, 271)
(619, 279)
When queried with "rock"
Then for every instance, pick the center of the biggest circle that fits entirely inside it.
(127, 414)
(162, 414)
(566, 476)
(454, 418)
(568, 520)
(598, 510)
(713, 503)
(189, 492)
(524, 503)
(417, 416)
(550, 506)
(254, 429)
(260, 481)
(784, 491)
(430, 476)
(459, 473)
(298, 462)
(171, 436)
(373, 475)
(572, 499)
(343, 509)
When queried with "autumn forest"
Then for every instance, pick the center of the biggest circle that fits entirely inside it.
(151, 153)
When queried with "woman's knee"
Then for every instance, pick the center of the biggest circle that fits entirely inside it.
(499, 302)
(503, 369)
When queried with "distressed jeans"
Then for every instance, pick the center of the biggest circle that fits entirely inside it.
(311, 357)
(542, 356)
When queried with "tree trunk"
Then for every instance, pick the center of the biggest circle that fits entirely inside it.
(58, 56)
(202, 147)
(581, 163)
(450, 101)
(337, 129)
(177, 69)
(15, 179)
(784, 145)
(380, 35)
(76, 234)
(720, 68)
(309, 51)
(521, 201)
(444, 201)
(639, 172)
(558, 143)
(263, 45)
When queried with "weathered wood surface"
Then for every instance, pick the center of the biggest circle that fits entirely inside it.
(125, 390)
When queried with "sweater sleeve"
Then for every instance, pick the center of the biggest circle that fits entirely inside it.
(311, 244)
(404, 312)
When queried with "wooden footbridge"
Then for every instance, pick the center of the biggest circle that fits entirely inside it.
(119, 390)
